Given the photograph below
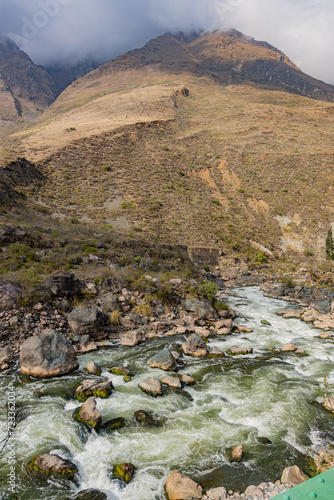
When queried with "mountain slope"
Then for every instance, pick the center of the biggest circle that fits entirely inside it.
(26, 90)
(158, 145)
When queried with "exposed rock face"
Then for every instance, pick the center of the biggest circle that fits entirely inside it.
(53, 465)
(26, 90)
(151, 386)
(124, 471)
(48, 355)
(88, 414)
(62, 284)
(9, 293)
(293, 476)
(179, 487)
(324, 460)
(95, 388)
(88, 320)
(163, 360)
(200, 308)
(110, 303)
(195, 346)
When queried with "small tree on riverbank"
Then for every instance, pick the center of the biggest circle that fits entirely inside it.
(330, 245)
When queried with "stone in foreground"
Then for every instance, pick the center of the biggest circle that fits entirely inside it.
(124, 472)
(289, 348)
(293, 476)
(216, 494)
(96, 388)
(48, 355)
(163, 360)
(151, 386)
(131, 339)
(195, 346)
(180, 487)
(89, 415)
(53, 465)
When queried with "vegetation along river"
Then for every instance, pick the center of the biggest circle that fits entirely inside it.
(236, 401)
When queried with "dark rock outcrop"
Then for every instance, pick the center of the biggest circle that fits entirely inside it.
(62, 284)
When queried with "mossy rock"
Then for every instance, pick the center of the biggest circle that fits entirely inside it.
(118, 370)
(124, 472)
(52, 465)
(146, 419)
(90, 495)
(93, 388)
(265, 322)
(115, 424)
(89, 425)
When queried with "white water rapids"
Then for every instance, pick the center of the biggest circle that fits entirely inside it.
(235, 401)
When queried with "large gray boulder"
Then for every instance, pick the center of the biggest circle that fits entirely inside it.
(48, 355)
(200, 308)
(179, 487)
(195, 346)
(88, 320)
(164, 360)
(62, 284)
(9, 294)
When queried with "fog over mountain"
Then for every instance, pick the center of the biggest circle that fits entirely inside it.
(68, 30)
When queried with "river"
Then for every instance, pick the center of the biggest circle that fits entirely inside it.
(236, 401)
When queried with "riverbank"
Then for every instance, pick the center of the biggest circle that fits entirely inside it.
(173, 328)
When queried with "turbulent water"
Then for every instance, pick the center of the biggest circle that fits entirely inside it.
(236, 401)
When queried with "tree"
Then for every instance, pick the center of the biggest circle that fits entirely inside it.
(330, 245)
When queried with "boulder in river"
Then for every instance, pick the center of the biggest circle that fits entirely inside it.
(289, 348)
(324, 460)
(97, 388)
(236, 454)
(172, 382)
(293, 476)
(53, 465)
(93, 368)
(124, 472)
(187, 379)
(195, 346)
(234, 350)
(119, 370)
(62, 284)
(164, 360)
(88, 320)
(88, 414)
(146, 419)
(200, 308)
(180, 487)
(114, 424)
(151, 386)
(48, 355)
(328, 404)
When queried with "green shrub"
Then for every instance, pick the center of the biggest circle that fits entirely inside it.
(220, 306)
(208, 290)
(206, 268)
(287, 281)
(330, 245)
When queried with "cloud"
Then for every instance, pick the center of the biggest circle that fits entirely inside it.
(53, 30)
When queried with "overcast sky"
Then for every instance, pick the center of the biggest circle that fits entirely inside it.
(69, 29)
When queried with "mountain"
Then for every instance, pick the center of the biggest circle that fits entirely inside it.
(64, 74)
(26, 90)
(207, 141)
